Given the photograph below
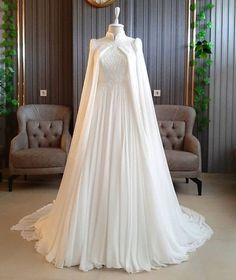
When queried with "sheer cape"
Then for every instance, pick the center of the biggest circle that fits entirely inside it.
(116, 213)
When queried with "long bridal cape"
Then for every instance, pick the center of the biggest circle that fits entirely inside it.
(116, 206)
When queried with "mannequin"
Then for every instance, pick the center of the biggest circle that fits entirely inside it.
(116, 28)
(116, 205)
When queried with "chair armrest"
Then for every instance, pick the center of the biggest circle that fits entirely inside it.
(19, 142)
(65, 141)
(192, 145)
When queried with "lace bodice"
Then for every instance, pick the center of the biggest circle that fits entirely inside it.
(112, 66)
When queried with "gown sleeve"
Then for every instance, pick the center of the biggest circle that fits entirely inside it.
(86, 91)
(144, 91)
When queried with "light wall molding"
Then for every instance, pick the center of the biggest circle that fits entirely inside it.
(21, 51)
(190, 54)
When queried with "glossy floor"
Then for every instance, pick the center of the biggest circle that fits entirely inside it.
(215, 260)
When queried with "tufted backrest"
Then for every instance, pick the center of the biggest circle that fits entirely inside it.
(44, 133)
(175, 121)
(44, 124)
(172, 134)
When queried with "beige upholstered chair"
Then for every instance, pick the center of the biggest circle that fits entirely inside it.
(183, 150)
(43, 141)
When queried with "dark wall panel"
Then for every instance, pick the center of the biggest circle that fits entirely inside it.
(160, 25)
(48, 48)
(222, 128)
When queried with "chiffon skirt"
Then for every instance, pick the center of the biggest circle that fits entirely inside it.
(116, 205)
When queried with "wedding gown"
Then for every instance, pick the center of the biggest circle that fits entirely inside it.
(116, 206)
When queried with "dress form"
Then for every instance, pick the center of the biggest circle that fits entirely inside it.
(116, 28)
(116, 205)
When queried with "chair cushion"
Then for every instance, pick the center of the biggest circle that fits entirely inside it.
(39, 158)
(44, 133)
(181, 161)
(172, 134)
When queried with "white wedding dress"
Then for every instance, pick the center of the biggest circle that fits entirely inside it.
(116, 206)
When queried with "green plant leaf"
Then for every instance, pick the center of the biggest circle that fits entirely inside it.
(11, 69)
(211, 45)
(193, 7)
(206, 81)
(199, 90)
(209, 24)
(209, 61)
(4, 7)
(8, 52)
(201, 34)
(14, 102)
(209, 6)
(202, 49)
(192, 45)
(201, 15)
(201, 71)
(193, 62)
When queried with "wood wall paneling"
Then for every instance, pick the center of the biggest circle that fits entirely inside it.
(48, 47)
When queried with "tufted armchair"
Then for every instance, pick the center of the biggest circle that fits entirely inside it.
(43, 141)
(182, 149)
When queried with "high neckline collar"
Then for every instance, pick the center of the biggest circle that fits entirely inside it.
(121, 35)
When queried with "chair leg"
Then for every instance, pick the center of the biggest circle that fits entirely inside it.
(0, 176)
(187, 180)
(25, 177)
(10, 182)
(199, 185)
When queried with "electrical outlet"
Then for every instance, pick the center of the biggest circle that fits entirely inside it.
(43, 92)
(157, 92)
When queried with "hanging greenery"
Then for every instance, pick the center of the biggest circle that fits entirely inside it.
(203, 50)
(8, 53)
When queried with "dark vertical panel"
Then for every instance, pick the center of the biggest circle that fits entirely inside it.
(75, 56)
(215, 82)
(158, 58)
(48, 43)
(54, 47)
(78, 73)
(165, 53)
(28, 48)
(47, 51)
(229, 89)
(60, 73)
(67, 62)
(33, 32)
(179, 58)
(152, 45)
(41, 54)
(234, 77)
(146, 29)
(222, 130)
(129, 20)
(139, 23)
(172, 53)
